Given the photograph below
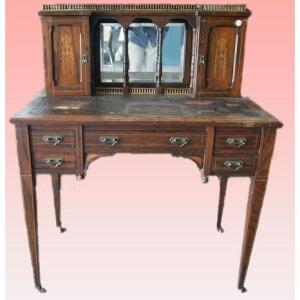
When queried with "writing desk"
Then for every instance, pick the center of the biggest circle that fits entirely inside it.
(223, 136)
(105, 94)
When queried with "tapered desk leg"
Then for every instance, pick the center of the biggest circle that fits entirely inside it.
(255, 201)
(30, 209)
(56, 179)
(256, 197)
(223, 186)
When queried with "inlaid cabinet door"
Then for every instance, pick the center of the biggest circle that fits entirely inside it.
(220, 60)
(66, 50)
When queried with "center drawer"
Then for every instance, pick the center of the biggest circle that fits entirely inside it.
(186, 143)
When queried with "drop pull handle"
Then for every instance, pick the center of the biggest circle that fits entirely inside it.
(53, 140)
(236, 142)
(234, 164)
(54, 161)
(179, 141)
(109, 140)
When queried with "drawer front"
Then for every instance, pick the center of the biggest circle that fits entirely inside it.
(54, 161)
(233, 165)
(236, 141)
(185, 143)
(51, 140)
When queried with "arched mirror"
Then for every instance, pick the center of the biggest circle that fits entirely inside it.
(142, 51)
(173, 52)
(111, 52)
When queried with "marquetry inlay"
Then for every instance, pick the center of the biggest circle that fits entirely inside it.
(220, 58)
(67, 59)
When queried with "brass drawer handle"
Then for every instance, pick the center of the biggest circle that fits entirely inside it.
(110, 140)
(179, 141)
(53, 140)
(54, 161)
(234, 164)
(236, 142)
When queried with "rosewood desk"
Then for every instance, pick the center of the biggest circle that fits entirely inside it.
(105, 94)
(223, 136)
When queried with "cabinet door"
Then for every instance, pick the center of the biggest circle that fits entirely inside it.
(220, 60)
(66, 46)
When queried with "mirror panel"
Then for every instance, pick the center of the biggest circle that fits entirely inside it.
(111, 52)
(173, 52)
(142, 52)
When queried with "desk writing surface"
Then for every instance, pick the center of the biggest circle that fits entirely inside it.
(156, 108)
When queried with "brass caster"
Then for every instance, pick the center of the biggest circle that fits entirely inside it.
(220, 229)
(243, 289)
(80, 177)
(62, 229)
(41, 289)
(204, 179)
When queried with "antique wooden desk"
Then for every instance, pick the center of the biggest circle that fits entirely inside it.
(94, 105)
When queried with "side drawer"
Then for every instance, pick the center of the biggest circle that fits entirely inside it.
(54, 161)
(236, 140)
(186, 143)
(52, 139)
(233, 165)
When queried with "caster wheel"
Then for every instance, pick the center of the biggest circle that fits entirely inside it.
(204, 179)
(62, 229)
(220, 229)
(80, 177)
(41, 289)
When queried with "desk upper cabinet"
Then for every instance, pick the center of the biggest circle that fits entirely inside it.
(221, 49)
(191, 49)
(66, 55)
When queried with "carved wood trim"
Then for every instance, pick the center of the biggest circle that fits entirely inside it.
(126, 62)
